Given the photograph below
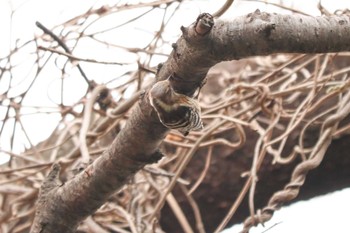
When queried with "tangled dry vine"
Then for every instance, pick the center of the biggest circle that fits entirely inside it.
(274, 96)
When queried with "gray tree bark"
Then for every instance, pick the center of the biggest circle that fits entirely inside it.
(203, 44)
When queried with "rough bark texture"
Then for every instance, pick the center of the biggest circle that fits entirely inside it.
(262, 33)
(62, 207)
(255, 34)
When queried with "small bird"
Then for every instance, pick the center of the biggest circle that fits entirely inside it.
(175, 111)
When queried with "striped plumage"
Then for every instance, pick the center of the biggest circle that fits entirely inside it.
(175, 111)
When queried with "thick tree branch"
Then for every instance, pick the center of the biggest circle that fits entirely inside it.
(137, 145)
(262, 33)
(202, 45)
(255, 34)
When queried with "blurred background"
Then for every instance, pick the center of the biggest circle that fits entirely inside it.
(43, 94)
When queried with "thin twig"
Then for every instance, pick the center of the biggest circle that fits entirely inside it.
(65, 47)
(182, 167)
(223, 9)
(70, 56)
